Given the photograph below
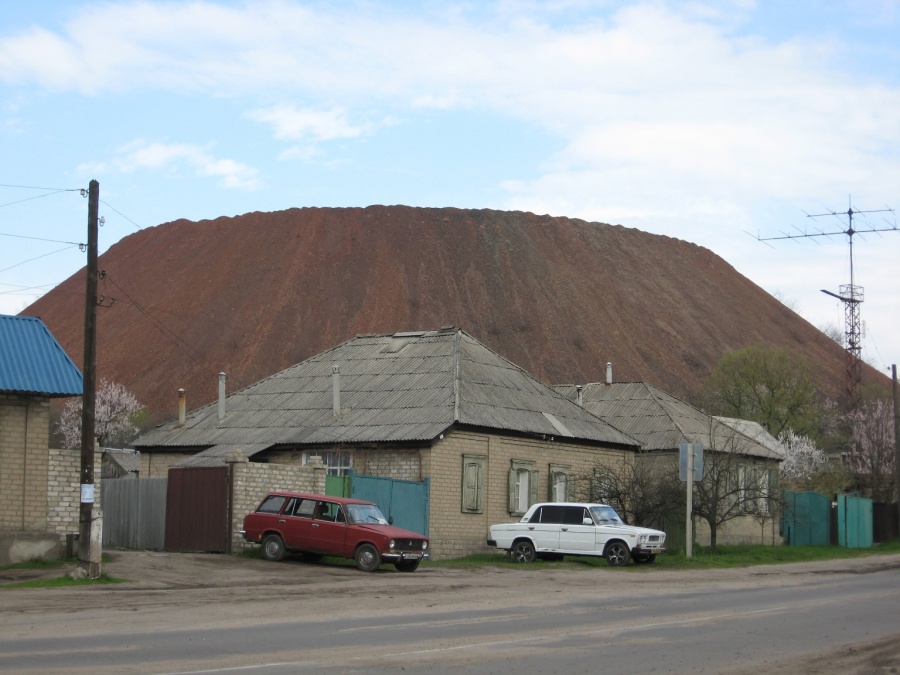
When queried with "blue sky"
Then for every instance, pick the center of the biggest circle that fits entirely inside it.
(712, 122)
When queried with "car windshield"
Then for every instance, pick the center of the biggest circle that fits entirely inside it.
(604, 515)
(359, 514)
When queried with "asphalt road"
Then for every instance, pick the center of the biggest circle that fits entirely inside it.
(221, 614)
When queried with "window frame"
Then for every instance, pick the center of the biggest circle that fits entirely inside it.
(472, 495)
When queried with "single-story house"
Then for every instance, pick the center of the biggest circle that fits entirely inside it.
(436, 406)
(662, 422)
(39, 486)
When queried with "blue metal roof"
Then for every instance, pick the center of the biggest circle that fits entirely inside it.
(33, 362)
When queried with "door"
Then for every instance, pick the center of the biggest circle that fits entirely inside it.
(544, 527)
(328, 529)
(574, 535)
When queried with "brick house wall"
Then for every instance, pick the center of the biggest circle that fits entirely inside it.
(455, 533)
(24, 460)
(64, 490)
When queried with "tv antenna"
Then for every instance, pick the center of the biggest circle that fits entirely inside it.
(849, 294)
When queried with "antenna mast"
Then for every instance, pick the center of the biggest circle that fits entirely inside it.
(850, 294)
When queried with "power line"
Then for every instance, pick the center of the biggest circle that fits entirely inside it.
(52, 241)
(121, 214)
(66, 248)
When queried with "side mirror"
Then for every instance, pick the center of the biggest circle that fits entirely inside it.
(587, 521)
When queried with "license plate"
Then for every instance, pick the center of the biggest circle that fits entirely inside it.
(411, 556)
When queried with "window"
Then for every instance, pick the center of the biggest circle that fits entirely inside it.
(337, 462)
(272, 504)
(560, 483)
(523, 482)
(473, 484)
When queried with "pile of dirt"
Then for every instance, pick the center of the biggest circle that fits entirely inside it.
(254, 294)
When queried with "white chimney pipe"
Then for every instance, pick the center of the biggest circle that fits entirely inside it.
(609, 379)
(336, 389)
(580, 395)
(222, 378)
(181, 407)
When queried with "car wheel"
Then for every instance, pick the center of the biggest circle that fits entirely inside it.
(617, 554)
(273, 547)
(367, 558)
(523, 551)
(648, 559)
(407, 565)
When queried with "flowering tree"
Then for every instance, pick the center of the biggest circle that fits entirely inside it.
(871, 454)
(115, 410)
(802, 457)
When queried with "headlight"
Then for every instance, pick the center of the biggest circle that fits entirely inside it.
(643, 539)
(424, 545)
(391, 543)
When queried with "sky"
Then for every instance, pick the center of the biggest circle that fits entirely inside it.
(725, 124)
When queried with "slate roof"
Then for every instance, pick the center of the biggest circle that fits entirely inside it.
(393, 388)
(662, 422)
(33, 362)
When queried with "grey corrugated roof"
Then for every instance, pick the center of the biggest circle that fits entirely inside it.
(395, 387)
(661, 421)
(33, 362)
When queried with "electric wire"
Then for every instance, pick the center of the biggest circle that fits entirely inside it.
(52, 241)
(108, 205)
(65, 248)
(159, 326)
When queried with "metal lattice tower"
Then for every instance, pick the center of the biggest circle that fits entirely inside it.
(850, 294)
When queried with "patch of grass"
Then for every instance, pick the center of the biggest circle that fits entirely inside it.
(62, 582)
(39, 564)
(703, 557)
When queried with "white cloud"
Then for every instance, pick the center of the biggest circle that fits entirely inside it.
(175, 158)
(291, 123)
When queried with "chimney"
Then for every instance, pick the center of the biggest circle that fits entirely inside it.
(222, 377)
(609, 379)
(181, 408)
(579, 395)
(336, 389)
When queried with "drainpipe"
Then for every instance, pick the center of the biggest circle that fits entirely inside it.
(222, 377)
(181, 408)
(336, 389)
(609, 379)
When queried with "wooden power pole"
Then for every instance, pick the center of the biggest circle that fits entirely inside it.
(89, 534)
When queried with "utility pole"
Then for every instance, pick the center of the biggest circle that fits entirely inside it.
(896, 387)
(850, 294)
(89, 539)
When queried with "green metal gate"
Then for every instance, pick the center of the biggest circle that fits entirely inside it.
(403, 502)
(854, 521)
(806, 519)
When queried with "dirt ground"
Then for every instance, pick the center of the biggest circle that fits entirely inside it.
(209, 590)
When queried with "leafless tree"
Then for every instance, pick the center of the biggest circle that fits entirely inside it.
(643, 491)
(871, 455)
(735, 483)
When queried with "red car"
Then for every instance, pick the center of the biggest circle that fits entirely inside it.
(316, 526)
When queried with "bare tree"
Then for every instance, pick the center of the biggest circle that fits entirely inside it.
(643, 491)
(117, 415)
(871, 455)
(734, 483)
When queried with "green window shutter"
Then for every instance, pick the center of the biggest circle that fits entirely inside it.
(513, 488)
(472, 483)
(533, 483)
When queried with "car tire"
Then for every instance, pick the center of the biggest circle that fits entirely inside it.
(645, 559)
(367, 558)
(618, 554)
(523, 551)
(272, 547)
(407, 565)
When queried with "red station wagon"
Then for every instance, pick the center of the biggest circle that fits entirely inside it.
(316, 526)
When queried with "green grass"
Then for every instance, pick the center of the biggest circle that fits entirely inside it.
(703, 557)
(63, 581)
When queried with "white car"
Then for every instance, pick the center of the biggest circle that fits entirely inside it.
(567, 528)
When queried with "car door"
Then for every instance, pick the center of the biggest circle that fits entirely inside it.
(543, 527)
(574, 533)
(296, 523)
(328, 530)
